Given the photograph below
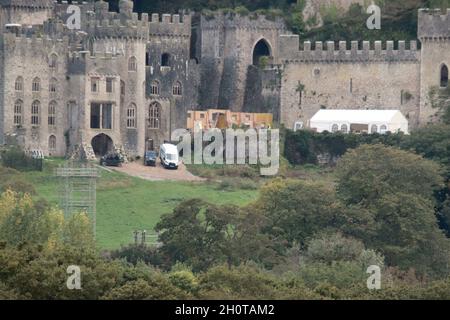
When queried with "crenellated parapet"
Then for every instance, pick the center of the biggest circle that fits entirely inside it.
(345, 53)
(50, 29)
(170, 25)
(433, 24)
(34, 42)
(126, 24)
(37, 4)
(251, 21)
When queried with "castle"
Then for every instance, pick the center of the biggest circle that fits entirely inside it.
(125, 81)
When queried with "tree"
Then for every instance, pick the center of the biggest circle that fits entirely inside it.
(23, 220)
(368, 172)
(390, 206)
(329, 248)
(196, 233)
(297, 210)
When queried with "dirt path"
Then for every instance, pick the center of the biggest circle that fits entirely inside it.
(158, 173)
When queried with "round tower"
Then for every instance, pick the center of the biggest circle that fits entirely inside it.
(434, 35)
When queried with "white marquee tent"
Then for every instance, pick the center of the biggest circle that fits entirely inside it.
(359, 121)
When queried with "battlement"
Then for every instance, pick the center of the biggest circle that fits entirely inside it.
(434, 24)
(33, 42)
(50, 29)
(125, 24)
(170, 25)
(343, 52)
(224, 19)
(37, 4)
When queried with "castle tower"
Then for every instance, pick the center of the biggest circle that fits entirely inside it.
(434, 34)
(25, 11)
(229, 44)
(110, 74)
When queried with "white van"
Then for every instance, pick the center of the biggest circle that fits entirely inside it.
(168, 153)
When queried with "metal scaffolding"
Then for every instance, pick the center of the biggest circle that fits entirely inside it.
(78, 183)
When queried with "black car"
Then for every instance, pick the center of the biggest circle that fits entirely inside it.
(150, 158)
(112, 160)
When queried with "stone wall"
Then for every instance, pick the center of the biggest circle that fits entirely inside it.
(367, 77)
(29, 58)
(227, 44)
(434, 35)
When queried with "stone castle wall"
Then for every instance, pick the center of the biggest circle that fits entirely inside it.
(433, 32)
(212, 64)
(348, 77)
(227, 43)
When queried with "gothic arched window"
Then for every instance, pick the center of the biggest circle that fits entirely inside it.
(53, 85)
(52, 114)
(36, 86)
(154, 113)
(177, 89)
(19, 84)
(131, 116)
(132, 64)
(52, 144)
(18, 112)
(154, 88)
(53, 61)
(35, 113)
(444, 76)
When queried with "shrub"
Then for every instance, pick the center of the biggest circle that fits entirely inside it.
(16, 158)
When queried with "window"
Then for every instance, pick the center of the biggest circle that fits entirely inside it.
(19, 84)
(52, 114)
(383, 129)
(132, 64)
(52, 144)
(36, 86)
(147, 59)
(176, 90)
(35, 110)
(122, 88)
(351, 85)
(154, 115)
(53, 85)
(94, 84)
(101, 116)
(53, 61)
(202, 116)
(444, 76)
(154, 88)
(18, 113)
(334, 128)
(131, 116)
(374, 128)
(165, 60)
(109, 85)
(344, 128)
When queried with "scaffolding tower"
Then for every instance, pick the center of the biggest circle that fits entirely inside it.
(78, 193)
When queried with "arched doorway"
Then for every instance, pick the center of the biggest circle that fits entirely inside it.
(262, 49)
(102, 144)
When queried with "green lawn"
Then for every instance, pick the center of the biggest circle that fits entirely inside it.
(125, 204)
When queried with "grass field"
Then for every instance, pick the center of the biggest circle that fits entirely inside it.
(125, 204)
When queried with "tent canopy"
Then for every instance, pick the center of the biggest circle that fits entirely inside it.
(358, 116)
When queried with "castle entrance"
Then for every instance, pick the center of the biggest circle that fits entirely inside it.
(262, 49)
(102, 144)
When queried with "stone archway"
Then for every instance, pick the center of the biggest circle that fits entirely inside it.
(102, 144)
(262, 49)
